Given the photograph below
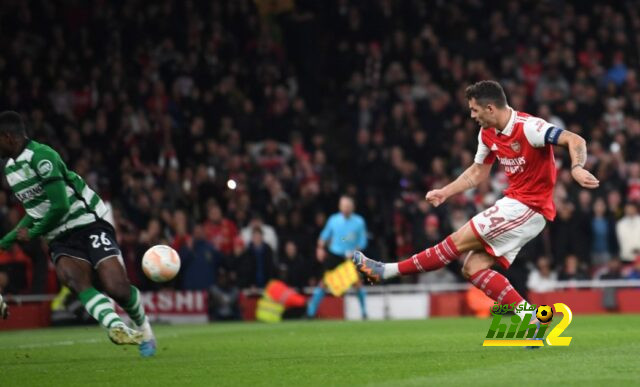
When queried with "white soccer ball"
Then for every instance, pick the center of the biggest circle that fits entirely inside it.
(161, 263)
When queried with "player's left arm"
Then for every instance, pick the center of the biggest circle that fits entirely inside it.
(540, 133)
(578, 151)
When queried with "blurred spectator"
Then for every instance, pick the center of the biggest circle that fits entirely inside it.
(293, 268)
(268, 232)
(200, 262)
(628, 232)
(181, 235)
(634, 271)
(257, 265)
(220, 232)
(430, 234)
(225, 296)
(612, 271)
(542, 278)
(603, 238)
(571, 270)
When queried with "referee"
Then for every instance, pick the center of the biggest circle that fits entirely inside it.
(344, 233)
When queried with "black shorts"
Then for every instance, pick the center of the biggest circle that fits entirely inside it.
(332, 261)
(92, 243)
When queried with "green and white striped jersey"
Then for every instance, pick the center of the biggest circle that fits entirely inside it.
(39, 164)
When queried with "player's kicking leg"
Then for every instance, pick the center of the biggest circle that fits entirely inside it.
(494, 236)
(114, 279)
(76, 274)
(476, 268)
(430, 259)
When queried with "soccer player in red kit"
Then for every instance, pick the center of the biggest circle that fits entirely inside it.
(523, 146)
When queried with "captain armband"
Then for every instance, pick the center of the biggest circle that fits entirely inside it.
(552, 135)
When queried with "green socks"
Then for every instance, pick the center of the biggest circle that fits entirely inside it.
(99, 306)
(134, 307)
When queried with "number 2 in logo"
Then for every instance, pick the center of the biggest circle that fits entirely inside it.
(553, 338)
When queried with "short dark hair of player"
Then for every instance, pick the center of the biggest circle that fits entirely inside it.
(11, 123)
(487, 92)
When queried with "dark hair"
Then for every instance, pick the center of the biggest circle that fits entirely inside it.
(487, 92)
(12, 124)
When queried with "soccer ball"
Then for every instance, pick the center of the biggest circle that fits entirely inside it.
(544, 313)
(161, 263)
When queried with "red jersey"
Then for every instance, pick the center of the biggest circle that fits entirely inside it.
(221, 235)
(526, 158)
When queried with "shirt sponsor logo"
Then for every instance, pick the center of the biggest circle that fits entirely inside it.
(29, 194)
(512, 166)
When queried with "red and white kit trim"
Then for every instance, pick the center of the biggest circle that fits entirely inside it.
(507, 226)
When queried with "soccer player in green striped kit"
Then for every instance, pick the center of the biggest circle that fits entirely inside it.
(61, 208)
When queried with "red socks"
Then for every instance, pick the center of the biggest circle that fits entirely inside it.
(496, 286)
(431, 259)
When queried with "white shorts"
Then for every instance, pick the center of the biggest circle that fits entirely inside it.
(507, 226)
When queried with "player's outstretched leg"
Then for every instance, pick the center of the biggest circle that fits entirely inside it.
(114, 278)
(76, 274)
(430, 259)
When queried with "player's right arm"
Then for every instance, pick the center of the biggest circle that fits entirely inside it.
(470, 178)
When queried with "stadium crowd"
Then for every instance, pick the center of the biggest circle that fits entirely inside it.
(229, 129)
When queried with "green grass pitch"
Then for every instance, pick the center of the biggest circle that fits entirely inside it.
(605, 350)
